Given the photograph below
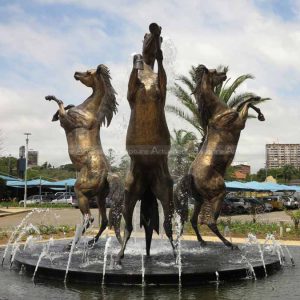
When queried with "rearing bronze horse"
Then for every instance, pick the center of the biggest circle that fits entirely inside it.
(205, 181)
(82, 127)
(148, 143)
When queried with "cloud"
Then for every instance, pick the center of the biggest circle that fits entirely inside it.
(39, 57)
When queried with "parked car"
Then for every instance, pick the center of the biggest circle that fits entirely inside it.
(66, 198)
(34, 199)
(240, 206)
(256, 205)
(275, 201)
(49, 196)
(227, 208)
(290, 202)
(268, 205)
(92, 202)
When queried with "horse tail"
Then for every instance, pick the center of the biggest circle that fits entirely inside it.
(149, 215)
(182, 193)
(116, 196)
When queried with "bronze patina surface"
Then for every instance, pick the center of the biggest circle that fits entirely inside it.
(148, 143)
(82, 127)
(205, 181)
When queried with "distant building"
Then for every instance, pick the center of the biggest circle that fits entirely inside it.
(32, 158)
(279, 155)
(241, 170)
(22, 152)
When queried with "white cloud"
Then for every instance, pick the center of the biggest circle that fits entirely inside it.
(232, 33)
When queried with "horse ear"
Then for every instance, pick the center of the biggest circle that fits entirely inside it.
(99, 70)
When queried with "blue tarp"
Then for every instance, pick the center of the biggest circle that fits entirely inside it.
(260, 186)
(38, 182)
(230, 185)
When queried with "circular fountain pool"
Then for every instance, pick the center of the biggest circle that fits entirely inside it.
(196, 264)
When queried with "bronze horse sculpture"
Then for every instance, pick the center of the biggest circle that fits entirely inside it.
(205, 181)
(82, 127)
(148, 143)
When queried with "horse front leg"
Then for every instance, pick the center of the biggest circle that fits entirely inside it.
(53, 98)
(260, 116)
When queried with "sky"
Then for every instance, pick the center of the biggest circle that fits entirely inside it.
(43, 42)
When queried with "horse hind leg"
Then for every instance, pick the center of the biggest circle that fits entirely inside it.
(102, 211)
(164, 192)
(84, 207)
(130, 202)
(216, 206)
(103, 225)
(194, 221)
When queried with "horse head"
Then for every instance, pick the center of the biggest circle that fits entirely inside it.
(151, 44)
(99, 80)
(210, 77)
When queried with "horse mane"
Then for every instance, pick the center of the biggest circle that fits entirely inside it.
(108, 105)
(200, 70)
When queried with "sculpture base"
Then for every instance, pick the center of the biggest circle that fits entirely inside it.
(198, 264)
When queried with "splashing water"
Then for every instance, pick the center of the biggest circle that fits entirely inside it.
(17, 230)
(252, 240)
(290, 255)
(178, 228)
(170, 53)
(76, 238)
(276, 247)
(217, 276)
(227, 233)
(105, 258)
(250, 272)
(143, 270)
(16, 244)
(45, 253)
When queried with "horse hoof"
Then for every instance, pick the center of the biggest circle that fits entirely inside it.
(91, 243)
(68, 247)
(203, 243)
(234, 247)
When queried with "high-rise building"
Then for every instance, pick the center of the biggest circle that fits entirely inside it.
(279, 155)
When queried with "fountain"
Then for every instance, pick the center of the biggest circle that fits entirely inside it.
(177, 262)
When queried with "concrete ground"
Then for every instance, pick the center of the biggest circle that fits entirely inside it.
(71, 216)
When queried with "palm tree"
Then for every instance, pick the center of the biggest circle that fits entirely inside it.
(225, 92)
(183, 151)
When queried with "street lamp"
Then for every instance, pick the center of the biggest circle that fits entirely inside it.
(26, 166)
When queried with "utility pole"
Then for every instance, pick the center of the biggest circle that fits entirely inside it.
(26, 166)
(9, 165)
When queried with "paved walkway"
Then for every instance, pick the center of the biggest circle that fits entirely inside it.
(70, 216)
(13, 211)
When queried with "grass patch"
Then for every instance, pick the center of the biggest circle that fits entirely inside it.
(242, 229)
(46, 231)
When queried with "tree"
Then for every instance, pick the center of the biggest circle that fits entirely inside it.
(226, 92)
(261, 175)
(8, 165)
(183, 152)
(123, 167)
(1, 142)
(68, 167)
(111, 157)
(295, 216)
(288, 171)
